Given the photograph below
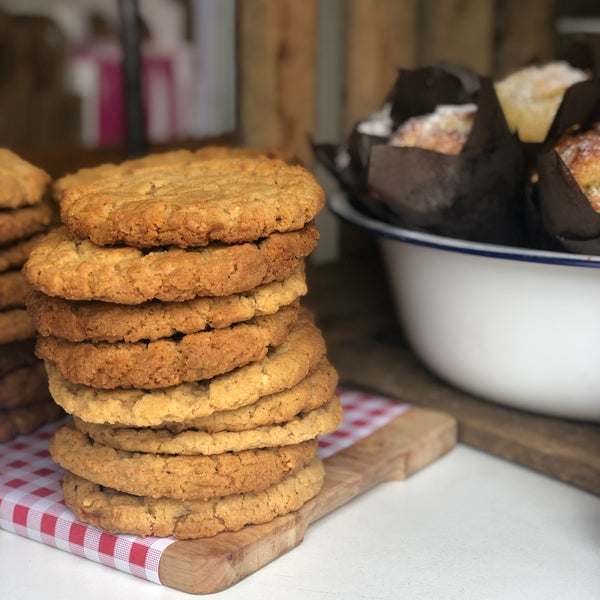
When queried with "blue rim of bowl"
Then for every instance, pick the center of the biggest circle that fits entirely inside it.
(341, 207)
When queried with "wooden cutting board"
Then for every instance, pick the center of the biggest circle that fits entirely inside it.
(396, 451)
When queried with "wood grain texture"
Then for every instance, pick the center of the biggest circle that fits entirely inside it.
(378, 43)
(277, 45)
(396, 451)
(524, 34)
(460, 31)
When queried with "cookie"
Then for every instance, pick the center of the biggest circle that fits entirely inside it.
(62, 266)
(25, 420)
(21, 183)
(15, 325)
(117, 512)
(282, 368)
(17, 354)
(94, 175)
(102, 321)
(174, 476)
(305, 426)
(13, 256)
(24, 386)
(12, 289)
(19, 223)
(168, 361)
(191, 202)
(312, 392)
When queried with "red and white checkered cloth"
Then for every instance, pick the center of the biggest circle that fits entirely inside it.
(32, 505)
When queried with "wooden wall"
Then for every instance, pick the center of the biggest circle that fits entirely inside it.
(278, 54)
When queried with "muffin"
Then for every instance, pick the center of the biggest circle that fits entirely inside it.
(531, 96)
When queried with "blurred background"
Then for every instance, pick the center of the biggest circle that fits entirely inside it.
(253, 72)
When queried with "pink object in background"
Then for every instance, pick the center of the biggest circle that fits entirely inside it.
(97, 76)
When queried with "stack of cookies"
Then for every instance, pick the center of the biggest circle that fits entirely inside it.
(25, 212)
(167, 307)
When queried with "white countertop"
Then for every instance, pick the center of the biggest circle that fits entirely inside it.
(470, 526)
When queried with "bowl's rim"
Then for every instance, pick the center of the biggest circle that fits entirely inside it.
(343, 209)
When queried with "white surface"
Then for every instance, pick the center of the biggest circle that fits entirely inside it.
(470, 526)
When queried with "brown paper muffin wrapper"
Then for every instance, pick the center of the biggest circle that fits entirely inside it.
(477, 195)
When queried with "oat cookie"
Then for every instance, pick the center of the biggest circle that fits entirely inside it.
(94, 175)
(19, 223)
(117, 512)
(24, 386)
(12, 289)
(173, 476)
(103, 321)
(282, 368)
(13, 256)
(15, 325)
(21, 183)
(79, 270)
(312, 392)
(15, 355)
(168, 361)
(305, 426)
(192, 202)
(25, 420)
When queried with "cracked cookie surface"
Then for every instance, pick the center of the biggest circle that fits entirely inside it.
(117, 512)
(169, 361)
(61, 265)
(190, 201)
(282, 368)
(103, 321)
(183, 477)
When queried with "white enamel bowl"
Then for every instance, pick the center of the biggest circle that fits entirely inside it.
(517, 327)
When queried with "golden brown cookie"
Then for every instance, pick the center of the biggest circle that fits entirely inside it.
(191, 202)
(19, 223)
(282, 368)
(24, 386)
(25, 420)
(168, 361)
(117, 512)
(13, 256)
(103, 321)
(305, 426)
(173, 476)
(312, 392)
(12, 289)
(62, 266)
(17, 354)
(15, 325)
(21, 183)
(91, 176)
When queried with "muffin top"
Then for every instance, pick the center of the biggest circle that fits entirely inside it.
(445, 130)
(531, 96)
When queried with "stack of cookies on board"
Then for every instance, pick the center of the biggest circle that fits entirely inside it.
(25, 212)
(169, 319)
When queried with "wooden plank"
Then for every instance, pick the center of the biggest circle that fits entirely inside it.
(276, 57)
(461, 31)
(380, 39)
(396, 451)
(524, 34)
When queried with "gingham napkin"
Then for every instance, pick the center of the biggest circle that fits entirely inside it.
(32, 505)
